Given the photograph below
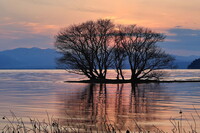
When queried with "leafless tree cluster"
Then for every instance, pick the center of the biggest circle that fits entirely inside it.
(143, 54)
(86, 48)
(92, 47)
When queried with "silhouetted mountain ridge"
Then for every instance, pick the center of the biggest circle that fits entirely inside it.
(28, 58)
(36, 58)
(182, 62)
(195, 64)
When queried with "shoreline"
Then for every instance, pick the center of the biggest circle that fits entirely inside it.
(114, 81)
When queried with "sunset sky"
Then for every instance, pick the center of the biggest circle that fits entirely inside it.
(34, 23)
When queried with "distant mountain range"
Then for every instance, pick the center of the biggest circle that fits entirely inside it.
(36, 58)
(28, 58)
(182, 62)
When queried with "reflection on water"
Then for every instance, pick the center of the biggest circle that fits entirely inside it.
(121, 104)
(33, 92)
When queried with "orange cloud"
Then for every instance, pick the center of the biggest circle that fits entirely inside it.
(38, 28)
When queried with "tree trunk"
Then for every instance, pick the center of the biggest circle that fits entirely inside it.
(118, 73)
(134, 77)
(121, 73)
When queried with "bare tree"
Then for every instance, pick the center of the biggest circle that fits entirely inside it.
(90, 48)
(86, 48)
(143, 54)
(119, 55)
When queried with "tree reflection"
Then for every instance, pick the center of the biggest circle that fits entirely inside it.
(121, 104)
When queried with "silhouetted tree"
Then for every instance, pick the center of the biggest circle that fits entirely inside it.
(90, 48)
(118, 58)
(143, 54)
(86, 48)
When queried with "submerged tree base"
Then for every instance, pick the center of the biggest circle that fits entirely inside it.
(115, 81)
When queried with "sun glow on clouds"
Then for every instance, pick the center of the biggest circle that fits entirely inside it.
(162, 14)
(20, 28)
(153, 14)
(26, 34)
(35, 18)
(38, 28)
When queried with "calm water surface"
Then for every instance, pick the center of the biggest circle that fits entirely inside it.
(32, 93)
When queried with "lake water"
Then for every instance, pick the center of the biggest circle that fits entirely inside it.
(33, 93)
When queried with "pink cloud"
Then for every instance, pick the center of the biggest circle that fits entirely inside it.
(38, 28)
(16, 30)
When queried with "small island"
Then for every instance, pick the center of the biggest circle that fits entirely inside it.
(115, 81)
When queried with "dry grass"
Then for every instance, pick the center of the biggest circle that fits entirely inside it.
(16, 125)
(183, 125)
